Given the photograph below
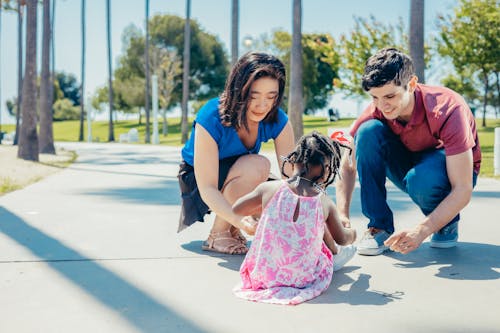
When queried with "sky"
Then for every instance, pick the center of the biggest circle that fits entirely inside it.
(214, 16)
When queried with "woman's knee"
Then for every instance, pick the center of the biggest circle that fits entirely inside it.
(251, 168)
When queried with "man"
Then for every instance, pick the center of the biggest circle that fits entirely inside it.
(424, 139)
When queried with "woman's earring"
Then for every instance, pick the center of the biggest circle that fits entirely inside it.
(297, 181)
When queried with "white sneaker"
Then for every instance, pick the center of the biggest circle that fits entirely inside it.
(343, 256)
(372, 243)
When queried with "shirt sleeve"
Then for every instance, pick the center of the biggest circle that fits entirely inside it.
(208, 118)
(456, 133)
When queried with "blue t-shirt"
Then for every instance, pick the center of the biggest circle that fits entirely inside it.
(226, 137)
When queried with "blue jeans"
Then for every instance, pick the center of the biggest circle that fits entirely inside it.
(422, 175)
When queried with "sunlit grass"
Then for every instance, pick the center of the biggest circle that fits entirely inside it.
(68, 131)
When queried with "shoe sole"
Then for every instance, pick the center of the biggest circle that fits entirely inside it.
(443, 245)
(372, 251)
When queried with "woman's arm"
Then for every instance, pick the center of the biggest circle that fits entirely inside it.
(206, 170)
(284, 145)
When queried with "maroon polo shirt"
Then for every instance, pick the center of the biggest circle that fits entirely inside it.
(439, 114)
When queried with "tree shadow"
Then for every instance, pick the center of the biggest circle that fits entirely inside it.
(466, 261)
(232, 261)
(345, 289)
(141, 310)
(165, 192)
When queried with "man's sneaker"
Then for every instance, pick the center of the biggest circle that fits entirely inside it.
(372, 243)
(446, 237)
(343, 256)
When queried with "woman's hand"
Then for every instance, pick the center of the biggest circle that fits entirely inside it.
(249, 225)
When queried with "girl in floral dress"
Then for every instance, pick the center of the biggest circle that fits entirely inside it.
(290, 260)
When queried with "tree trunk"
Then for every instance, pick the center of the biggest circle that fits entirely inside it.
(498, 96)
(19, 69)
(417, 37)
(28, 139)
(82, 73)
(235, 21)
(147, 74)
(46, 138)
(485, 98)
(185, 73)
(296, 102)
(165, 123)
(111, 133)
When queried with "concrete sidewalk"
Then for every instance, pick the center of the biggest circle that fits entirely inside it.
(94, 248)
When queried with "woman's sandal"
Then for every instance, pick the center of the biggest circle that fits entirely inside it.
(223, 242)
(236, 234)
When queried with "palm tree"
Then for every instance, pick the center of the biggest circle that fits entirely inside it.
(19, 67)
(28, 139)
(82, 87)
(0, 72)
(147, 74)
(296, 102)
(46, 138)
(185, 73)
(111, 134)
(234, 31)
(417, 37)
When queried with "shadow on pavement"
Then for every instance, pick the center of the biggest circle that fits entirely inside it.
(466, 261)
(164, 192)
(232, 262)
(141, 310)
(345, 289)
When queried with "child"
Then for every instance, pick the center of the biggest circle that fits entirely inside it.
(288, 262)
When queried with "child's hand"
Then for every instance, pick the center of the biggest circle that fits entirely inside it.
(249, 225)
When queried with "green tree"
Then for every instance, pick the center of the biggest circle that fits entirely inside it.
(367, 37)
(320, 59)
(148, 74)
(470, 38)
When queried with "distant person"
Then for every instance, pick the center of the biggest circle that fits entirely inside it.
(333, 114)
(290, 260)
(424, 139)
(220, 161)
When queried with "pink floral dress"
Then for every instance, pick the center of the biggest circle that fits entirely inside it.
(288, 262)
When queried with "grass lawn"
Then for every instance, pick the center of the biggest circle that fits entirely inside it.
(68, 131)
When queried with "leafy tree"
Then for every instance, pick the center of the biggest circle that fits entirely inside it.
(470, 38)
(67, 84)
(367, 37)
(64, 109)
(320, 59)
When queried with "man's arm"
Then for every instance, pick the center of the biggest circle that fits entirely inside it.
(459, 168)
(345, 185)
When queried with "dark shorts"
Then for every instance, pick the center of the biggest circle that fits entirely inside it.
(193, 208)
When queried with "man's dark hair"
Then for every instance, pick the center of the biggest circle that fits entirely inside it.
(388, 65)
(249, 68)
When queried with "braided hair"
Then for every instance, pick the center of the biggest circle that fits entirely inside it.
(316, 149)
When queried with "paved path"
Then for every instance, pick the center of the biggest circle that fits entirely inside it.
(94, 248)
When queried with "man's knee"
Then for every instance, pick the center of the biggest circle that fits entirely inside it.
(427, 189)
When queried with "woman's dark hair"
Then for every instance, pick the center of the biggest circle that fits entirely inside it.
(388, 65)
(316, 149)
(249, 68)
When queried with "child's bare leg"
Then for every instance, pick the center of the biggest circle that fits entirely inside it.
(330, 242)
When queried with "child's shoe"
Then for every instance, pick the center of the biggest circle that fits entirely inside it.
(343, 256)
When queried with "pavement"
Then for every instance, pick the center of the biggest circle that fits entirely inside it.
(94, 248)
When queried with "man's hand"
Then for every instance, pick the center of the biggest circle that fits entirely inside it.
(405, 241)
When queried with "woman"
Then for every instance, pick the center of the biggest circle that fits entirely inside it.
(221, 161)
